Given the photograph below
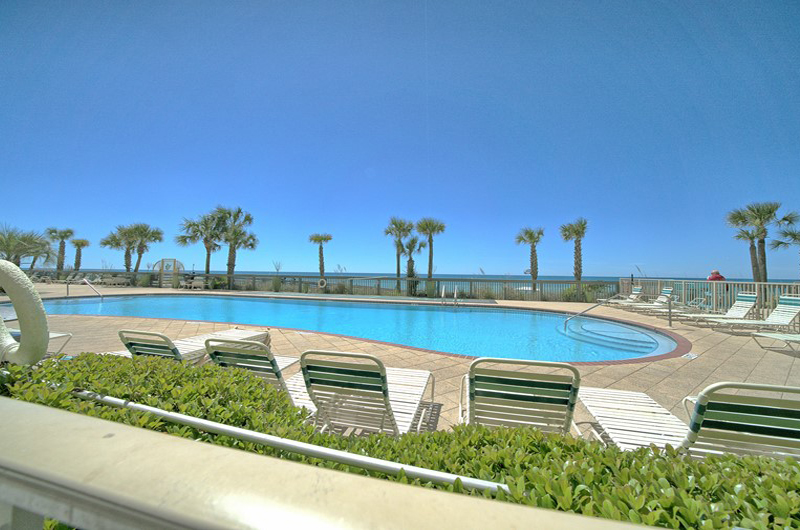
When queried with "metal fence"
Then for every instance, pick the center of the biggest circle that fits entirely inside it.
(715, 296)
(477, 288)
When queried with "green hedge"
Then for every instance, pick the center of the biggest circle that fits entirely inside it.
(552, 471)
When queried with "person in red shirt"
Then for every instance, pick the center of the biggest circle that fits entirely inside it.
(716, 276)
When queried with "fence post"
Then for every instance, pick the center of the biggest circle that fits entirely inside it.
(378, 287)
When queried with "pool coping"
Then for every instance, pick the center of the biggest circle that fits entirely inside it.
(683, 345)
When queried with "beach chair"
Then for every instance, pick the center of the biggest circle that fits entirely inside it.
(514, 393)
(53, 336)
(781, 317)
(191, 349)
(762, 420)
(789, 341)
(756, 420)
(253, 356)
(693, 307)
(634, 296)
(660, 302)
(741, 308)
(356, 391)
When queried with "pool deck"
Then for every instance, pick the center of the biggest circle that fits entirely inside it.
(720, 356)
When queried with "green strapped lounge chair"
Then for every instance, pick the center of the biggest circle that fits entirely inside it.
(355, 390)
(191, 349)
(766, 424)
(250, 355)
(789, 341)
(513, 393)
(635, 296)
(781, 317)
(756, 420)
(742, 306)
(661, 301)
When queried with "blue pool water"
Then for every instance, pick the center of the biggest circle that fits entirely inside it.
(479, 332)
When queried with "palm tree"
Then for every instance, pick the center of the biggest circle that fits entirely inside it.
(750, 236)
(41, 250)
(234, 232)
(531, 236)
(789, 236)
(207, 229)
(143, 234)
(121, 239)
(412, 246)
(320, 239)
(79, 245)
(576, 231)
(399, 229)
(61, 236)
(16, 245)
(430, 227)
(759, 216)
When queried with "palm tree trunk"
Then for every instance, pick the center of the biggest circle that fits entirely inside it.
(754, 261)
(208, 261)
(430, 257)
(128, 255)
(762, 258)
(578, 261)
(534, 268)
(321, 262)
(398, 273)
(77, 259)
(231, 264)
(139, 255)
(62, 250)
(33, 263)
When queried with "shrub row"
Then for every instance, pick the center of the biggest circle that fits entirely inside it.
(661, 488)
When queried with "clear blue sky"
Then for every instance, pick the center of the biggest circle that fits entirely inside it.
(651, 119)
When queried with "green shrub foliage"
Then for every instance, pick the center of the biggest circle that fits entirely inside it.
(660, 488)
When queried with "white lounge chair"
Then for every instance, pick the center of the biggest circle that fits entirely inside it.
(355, 390)
(781, 317)
(741, 308)
(631, 420)
(634, 296)
(191, 349)
(661, 301)
(789, 341)
(747, 422)
(250, 355)
(54, 335)
(693, 307)
(512, 393)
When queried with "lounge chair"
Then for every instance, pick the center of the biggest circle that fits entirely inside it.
(661, 301)
(54, 335)
(198, 283)
(355, 390)
(634, 296)
(191, 349)
(693, 307)
(741, 423)
(789, 340)
(253, 356)
(742, 306)
(506, 392)
(780, 318)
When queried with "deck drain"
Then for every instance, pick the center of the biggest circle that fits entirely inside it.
(689, 356)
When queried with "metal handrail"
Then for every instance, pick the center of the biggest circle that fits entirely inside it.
(87, 282)
(293, 446)
(582, 312)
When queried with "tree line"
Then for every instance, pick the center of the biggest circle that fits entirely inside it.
(230, 226)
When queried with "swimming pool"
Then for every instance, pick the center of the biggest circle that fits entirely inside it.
(472, 331)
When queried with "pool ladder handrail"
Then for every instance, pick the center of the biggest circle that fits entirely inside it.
(87, 282)
(582, 312)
